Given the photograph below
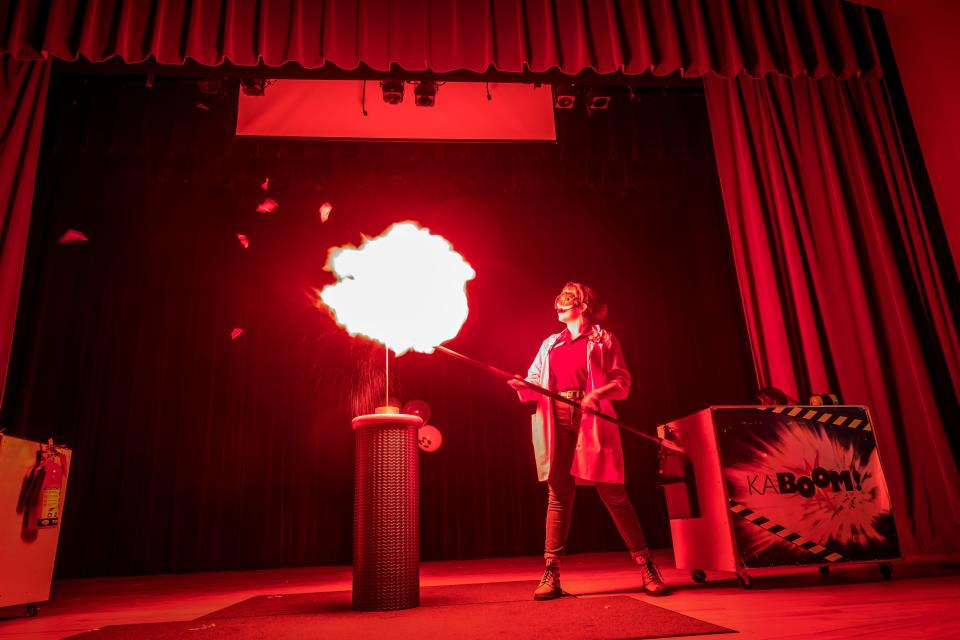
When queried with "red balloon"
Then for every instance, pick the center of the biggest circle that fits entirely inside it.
(429, 438)
(417, 408)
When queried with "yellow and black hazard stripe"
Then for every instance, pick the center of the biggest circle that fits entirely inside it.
(788, 536)
(820, 415)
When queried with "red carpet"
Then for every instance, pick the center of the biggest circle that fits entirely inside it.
(503, 609)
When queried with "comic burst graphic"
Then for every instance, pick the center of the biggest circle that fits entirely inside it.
(840, 510)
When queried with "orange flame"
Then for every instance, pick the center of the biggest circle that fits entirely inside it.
(405, 288)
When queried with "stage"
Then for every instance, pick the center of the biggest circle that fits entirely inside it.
(922, 600)
(258, 260)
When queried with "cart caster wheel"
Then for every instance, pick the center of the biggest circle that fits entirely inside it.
(33, 609)
(825, 571)
(699, 576)
(744, 579)
(886, 570)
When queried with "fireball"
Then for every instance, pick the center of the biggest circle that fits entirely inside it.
(405, 288)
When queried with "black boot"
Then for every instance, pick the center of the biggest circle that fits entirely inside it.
(549, 587)
(652, 581)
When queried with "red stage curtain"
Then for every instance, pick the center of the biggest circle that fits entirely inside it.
(814, 37)
(23, 94)
(837, 274)
(820, 38)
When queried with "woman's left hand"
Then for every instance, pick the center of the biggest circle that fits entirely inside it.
(591, 401)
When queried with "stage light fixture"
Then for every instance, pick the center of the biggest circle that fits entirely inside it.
(254, 86)
(597, 99)
(392, 91)
(564, 96)
(425, 94)
(210, 86)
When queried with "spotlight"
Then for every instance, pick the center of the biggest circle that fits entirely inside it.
(392, 91)
(210, 86)
(597, 99)
(425, 93)
(254, 86)
(564, 96)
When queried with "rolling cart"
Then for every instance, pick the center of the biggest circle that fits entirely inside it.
(33, 483)
(776, 486)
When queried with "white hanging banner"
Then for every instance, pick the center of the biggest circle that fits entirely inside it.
(462, 111)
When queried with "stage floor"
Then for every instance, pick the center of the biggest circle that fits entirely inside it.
(922, 600)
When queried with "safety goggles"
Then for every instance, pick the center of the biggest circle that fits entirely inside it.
(565, 301)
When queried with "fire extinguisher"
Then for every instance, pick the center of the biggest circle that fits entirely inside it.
(40, 494)
(49, 505)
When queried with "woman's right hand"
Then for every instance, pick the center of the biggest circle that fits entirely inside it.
(516, 383)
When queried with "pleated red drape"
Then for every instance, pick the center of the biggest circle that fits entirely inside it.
(822, 210)
(23, 95)
(814, 37)
(818, 38)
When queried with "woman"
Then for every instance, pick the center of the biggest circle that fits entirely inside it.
(583, 363)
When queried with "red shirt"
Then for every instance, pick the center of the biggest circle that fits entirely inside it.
(568, 363)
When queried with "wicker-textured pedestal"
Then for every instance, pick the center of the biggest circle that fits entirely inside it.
(386, 513)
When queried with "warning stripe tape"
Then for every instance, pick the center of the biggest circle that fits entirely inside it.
(806, 413)
(789, 536)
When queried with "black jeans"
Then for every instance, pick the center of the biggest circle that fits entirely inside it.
(562, 490)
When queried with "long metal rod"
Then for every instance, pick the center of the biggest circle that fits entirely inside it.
(500, 373)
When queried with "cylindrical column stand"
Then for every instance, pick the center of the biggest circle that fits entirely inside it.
(386, 513)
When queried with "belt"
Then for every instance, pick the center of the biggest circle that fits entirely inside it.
(572, 394)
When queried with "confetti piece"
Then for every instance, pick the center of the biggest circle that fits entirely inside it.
(204, 106)
(267, 206)
(265, 184)
(235, 333)
(325, 210)
(203, 626)
(244, 240)
(71, 236)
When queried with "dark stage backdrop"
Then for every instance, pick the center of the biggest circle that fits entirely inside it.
(197, 452)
